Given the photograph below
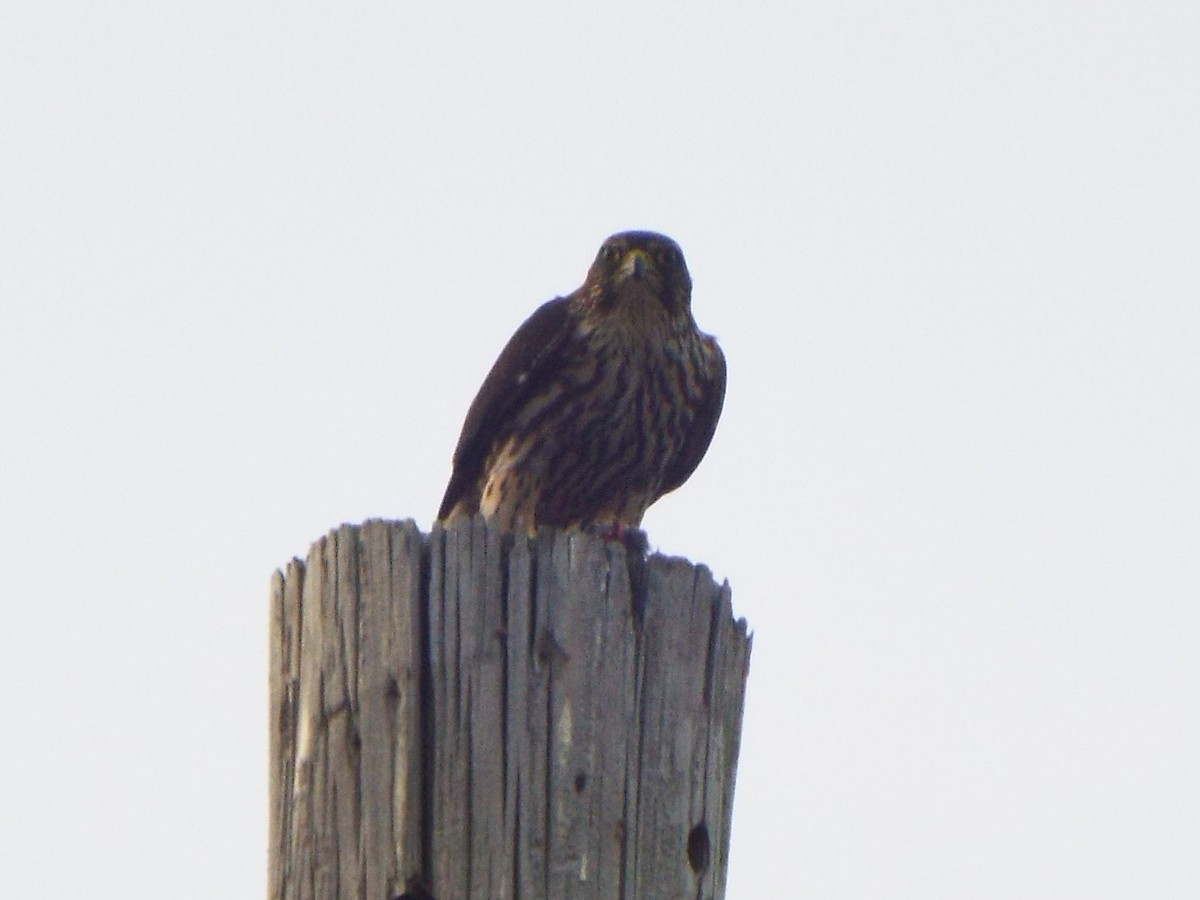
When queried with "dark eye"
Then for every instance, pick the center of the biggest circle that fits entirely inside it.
(610, 253)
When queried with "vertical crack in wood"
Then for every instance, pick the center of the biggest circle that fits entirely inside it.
(430, 553)
(506, 839)
(469, 777)
(546, 658)
(284, 703)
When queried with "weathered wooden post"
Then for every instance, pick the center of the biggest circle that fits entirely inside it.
(478, 715)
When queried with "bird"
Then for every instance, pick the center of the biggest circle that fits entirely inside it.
(601, 402)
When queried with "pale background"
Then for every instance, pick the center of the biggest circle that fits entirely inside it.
(256, 258)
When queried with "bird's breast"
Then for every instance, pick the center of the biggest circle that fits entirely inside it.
(592, 442)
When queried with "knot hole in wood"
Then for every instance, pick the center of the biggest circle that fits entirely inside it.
(698, 848)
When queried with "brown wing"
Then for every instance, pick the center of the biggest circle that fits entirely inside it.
(523, 365)
(696, 441)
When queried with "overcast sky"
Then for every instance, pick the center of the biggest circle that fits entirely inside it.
(255, 259)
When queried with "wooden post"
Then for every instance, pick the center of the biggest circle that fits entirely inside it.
(477, 715)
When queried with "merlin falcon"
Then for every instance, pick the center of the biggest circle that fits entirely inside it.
(603, 400)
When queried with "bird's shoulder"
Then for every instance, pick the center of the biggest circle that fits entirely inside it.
(526, 360)
(707, 413)
(528, 351)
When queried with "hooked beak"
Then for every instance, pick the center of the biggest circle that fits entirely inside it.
(636, 264)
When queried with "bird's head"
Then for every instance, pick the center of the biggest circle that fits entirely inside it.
(639, 274)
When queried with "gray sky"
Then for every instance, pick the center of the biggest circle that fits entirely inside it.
(255, 260)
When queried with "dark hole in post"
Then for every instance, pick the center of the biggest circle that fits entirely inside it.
(580, 782)
(698, 848)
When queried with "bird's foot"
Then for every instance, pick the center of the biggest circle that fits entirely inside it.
(631, 536)
(614, 531)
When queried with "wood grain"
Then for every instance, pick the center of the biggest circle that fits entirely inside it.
(476, 714)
